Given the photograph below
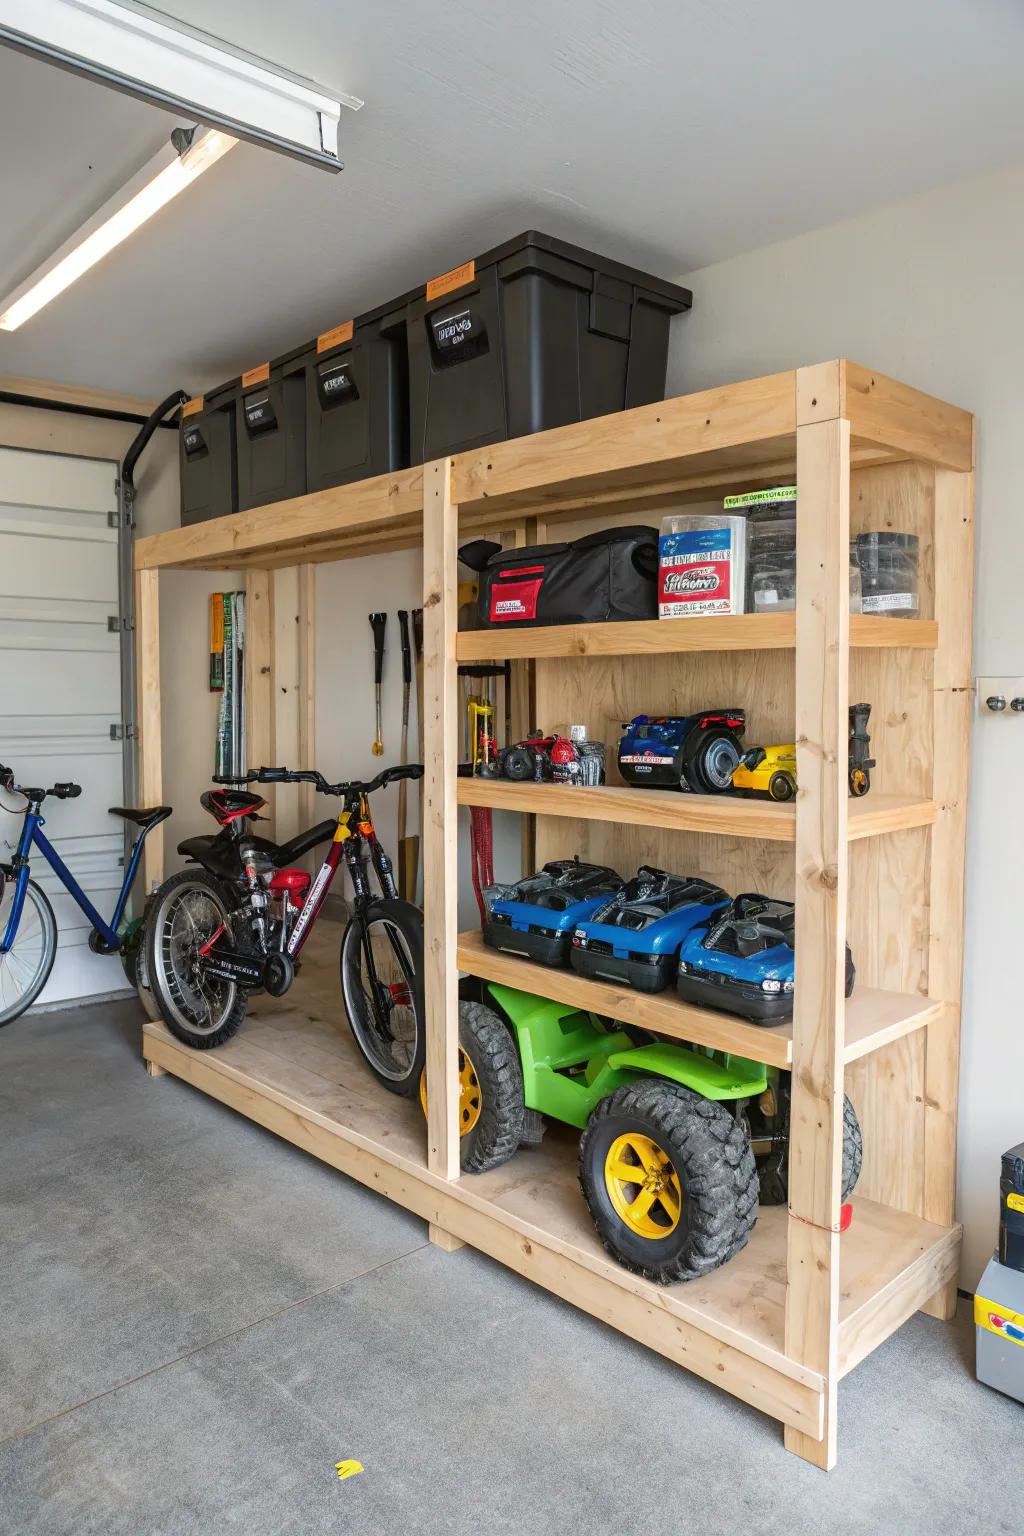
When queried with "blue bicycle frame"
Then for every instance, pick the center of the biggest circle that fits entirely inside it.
(32, 836)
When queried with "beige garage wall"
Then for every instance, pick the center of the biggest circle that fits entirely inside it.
(929, 290)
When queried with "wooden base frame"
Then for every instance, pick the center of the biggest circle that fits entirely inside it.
(803, 1304)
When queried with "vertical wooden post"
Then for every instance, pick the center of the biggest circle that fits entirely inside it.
(259, 678)
(952, 701)
(816, 1128)
(440, 813)
(307, 687)
(148, 736)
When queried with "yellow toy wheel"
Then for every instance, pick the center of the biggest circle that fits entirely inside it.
(491, 1105)
(470, 1093)
(859, 782)
(643, 1185)
(669, 1178)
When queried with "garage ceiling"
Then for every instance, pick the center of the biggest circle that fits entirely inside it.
(668, 133)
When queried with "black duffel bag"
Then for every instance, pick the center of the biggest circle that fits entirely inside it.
(607, 576)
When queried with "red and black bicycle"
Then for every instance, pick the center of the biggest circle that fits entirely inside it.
(237, 924)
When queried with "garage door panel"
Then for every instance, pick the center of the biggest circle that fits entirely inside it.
(78, 973)
(56, 561)
(61, 691)
(84, 486)
(73, 683)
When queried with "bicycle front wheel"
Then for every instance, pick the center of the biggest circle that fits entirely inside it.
(26, 966)
(382, 987)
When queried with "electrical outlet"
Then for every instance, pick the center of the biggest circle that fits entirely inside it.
(1000, 695)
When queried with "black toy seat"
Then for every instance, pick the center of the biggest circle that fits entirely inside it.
(144, 819)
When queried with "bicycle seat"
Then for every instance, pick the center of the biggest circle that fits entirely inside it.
(144, 819)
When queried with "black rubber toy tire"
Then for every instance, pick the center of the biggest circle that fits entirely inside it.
(781, 786)
(695, 752)
(492, 1050)
(712, 1156)
(853, 1148)
(153, 964)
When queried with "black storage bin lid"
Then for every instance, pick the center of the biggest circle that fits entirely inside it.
(532, 246)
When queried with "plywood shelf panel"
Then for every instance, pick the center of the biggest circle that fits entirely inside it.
(726, 815)
(294, 1069)
(874, 1017)
(653, 637)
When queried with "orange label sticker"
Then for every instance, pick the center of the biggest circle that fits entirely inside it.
(258, 375)
(458, 277)
(192, 407)
(328, 339)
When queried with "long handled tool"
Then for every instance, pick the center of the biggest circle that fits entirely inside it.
(378, 623)
(406, 879)
(408, 872)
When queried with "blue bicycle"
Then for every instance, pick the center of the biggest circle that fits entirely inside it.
(29, 943)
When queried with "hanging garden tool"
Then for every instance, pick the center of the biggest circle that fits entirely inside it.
(412, 863)
(406, 877)
(378, 623)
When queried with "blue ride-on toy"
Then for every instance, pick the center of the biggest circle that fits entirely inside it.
(742, 961)
(634, 936)
(536, 916)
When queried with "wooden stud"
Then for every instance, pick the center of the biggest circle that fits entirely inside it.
(954, 563)
(260, 746)
(153, 1069)
(816, 1119)
(306, 624)
(148, 733)
(818, 393)
(442, 1239)
(440, 816)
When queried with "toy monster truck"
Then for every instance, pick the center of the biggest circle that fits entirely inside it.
(698, 753)
(671, 1134)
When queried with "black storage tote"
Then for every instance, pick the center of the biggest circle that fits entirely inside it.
(531, 335)
(606, 576)
(271, 432)
(206, 455)
(357, 399)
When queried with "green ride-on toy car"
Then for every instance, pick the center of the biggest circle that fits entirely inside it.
(679, 1142)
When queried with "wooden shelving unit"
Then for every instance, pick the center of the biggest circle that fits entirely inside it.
(802, 1304)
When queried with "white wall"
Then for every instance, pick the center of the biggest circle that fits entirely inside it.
(928, 290)
(347, 591)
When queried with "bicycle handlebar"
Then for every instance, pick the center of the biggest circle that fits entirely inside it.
(63, 791)
(314, 777)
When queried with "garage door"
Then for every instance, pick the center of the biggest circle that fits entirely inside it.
(60, 685)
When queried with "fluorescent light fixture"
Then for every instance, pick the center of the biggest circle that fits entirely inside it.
(151, 189)
(137, 49)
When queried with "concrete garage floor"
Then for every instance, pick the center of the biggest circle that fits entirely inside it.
(197, 1321)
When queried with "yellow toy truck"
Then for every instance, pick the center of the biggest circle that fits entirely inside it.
(771, 771)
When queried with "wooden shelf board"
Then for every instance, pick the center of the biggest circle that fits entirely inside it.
(726, 815)
(294, 1069)
(730, 435)
(651, 637)
(324, 525)
(873, 1017)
